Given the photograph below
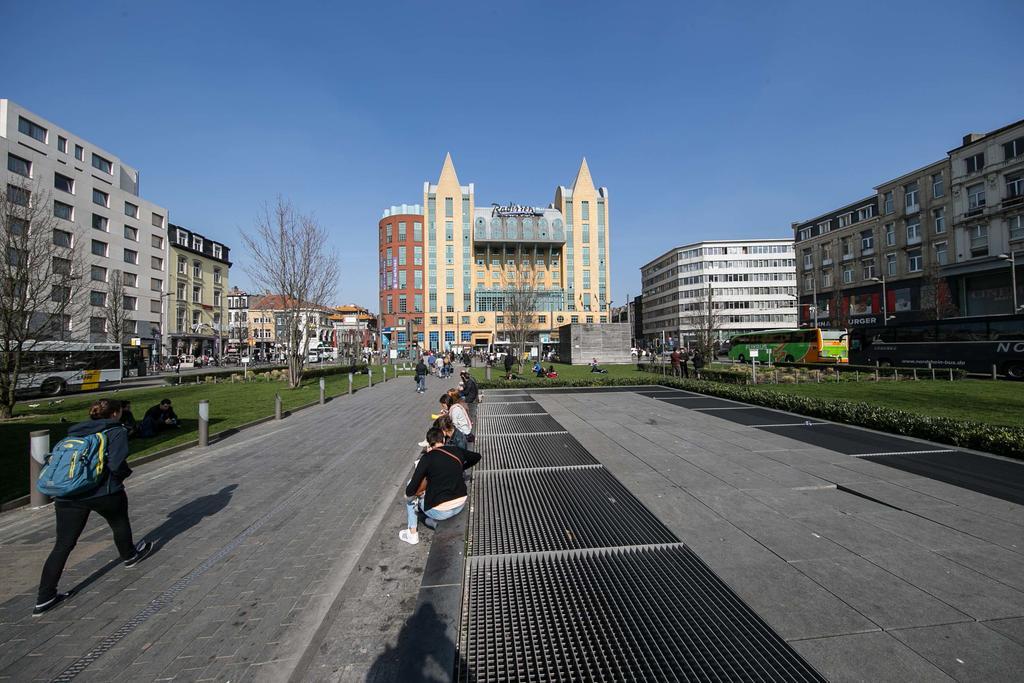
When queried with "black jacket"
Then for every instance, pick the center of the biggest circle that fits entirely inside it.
(509, 362)
(443, 473)
(470, 391)
(115, 455)
(421, 369)
(158, 416)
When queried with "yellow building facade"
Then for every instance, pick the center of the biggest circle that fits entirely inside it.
(197, 301)
(479, 257)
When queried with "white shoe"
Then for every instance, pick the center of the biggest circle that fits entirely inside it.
(410, 537)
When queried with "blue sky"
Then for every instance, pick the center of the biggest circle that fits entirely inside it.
(705, 120)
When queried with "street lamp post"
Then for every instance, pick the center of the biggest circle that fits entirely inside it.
(1011, 257)
(885, 301)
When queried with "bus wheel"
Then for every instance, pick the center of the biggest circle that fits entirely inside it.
(1014, 370)
(52, 387)
(789, 359)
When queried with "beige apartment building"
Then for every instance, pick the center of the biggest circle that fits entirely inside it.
(198, 283)
(477, 258)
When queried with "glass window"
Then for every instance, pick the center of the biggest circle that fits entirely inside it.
(102, 164)
(417, 232)
(100, 197)
(1014, 185)
(941, 253)
(975, 196)
(31, 129)
(449, 210)
(1013, 148)
(913, 231)
(939, 220)
(974, 163)
(16, 164)
(978, 235)
(79, 152)
(99, 248)
(98, 274)
(890, 264)
(158, 220)
(910, 196)
(62, 210)
(914, 261)
(890, 234)
(867, 240)
(938, 187)
(62, 144)
(131, 210)
(131, 233)
(1016, 226)
(156, 263)
(131, 256)
(100, 222)
(888, 203)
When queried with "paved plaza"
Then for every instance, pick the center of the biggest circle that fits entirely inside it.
(278, 555)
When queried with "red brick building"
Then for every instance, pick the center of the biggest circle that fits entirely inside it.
(401, 254)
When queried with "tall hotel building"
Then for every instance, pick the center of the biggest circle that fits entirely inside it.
(752, 285)
(477, 258)
(99, 216)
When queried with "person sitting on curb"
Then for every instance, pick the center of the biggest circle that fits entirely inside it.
(453, 406)
(437, 488)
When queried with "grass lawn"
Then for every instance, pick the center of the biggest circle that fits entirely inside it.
(996, 403)
(231, 405)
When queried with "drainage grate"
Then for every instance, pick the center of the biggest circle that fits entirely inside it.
(647, 614)
(525, 511)
(505, 452)
(524, 408)
(519, 424)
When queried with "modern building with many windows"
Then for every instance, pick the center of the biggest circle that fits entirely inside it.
(480, 261)
(100, 216)
(933, 243)
(400, 243)
(199, 284)
(751, 284)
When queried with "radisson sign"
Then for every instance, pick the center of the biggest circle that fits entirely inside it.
(515, 210)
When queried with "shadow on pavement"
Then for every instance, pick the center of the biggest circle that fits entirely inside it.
(422, 654)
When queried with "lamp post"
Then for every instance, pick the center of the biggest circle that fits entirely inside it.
(885, 301)
(1011, 257)
(160, 334)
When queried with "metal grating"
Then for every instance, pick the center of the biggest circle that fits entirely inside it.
(504, 452)
(524, 408)
(526, 511)
(506, 395)
(639, 614)
(519, 424)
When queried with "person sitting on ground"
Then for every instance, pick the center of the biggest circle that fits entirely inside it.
(594, 367)
(454, 408)
(128, 419)
(437, 488)
(538, 369)
(108, 499)
(551, 374)
(158, 418)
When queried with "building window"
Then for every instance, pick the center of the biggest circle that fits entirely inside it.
(131, 233)
(100, 222)
(975, 196)
(1015, 185)
(890, 234)
(79, 153)
(826, 278)
(974, 163)
(131, 210)
(197, 242)
(1013, 148)
(866, 212)
(181, 291)
(401, 256)
(102, 164)
(403, 304)
(808, 259)
(890, 265)
(156, 241)
(978, 235)
(216, 276)
(131, 303)
(97, 325)
(62, 210)
(156, 263)
(62, 144)
(156, 285)
(914, 261)
(913, 231)
(16, 164)
(62, 238)
(100, 197)
(64, 183)
(888, 203)
(131, 256)
(867, 241)
(31, 129)
(98, 274)
(847, 244)
(196, 320)
(1016, 226)
(939, 219)
(804, 234)
(910, 197)
(941, 253)
(938, 188)
(847, 275)
(387, 233)
(867, 269)
(97, 298)
(197, 294)
(197, 269)
(158, 220)
(182, 266)
(218, 251)
(216, 297)
(99, 248)
(401, 231)
(417, 232)
(449, 210)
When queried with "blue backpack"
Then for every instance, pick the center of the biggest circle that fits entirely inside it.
(75, 465)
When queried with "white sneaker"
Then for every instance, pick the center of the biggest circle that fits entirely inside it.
(410, 537)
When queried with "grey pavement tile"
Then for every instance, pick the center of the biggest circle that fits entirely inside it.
(1011, 628)
(866, 658)
(851, 531)
(1005, 566)
(812, 502)
(794, 605)
(884, 598)
(897, 496)
(920, 531)
(954, 584)
(967, 651)
(979, 525)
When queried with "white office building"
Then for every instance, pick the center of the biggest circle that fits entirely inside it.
(95, 196)
(752, 287)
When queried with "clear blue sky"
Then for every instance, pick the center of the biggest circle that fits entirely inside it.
(705, 120)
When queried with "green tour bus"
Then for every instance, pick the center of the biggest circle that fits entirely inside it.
(810, 345)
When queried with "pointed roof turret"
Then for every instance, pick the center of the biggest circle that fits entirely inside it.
(448, 175)
(583, 179)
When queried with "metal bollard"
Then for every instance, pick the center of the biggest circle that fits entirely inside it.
(915, 374)
(204, 423)
(277, 406)
(39, 448)
(369, 372)
(896, 374)
(856, 375)
(951, 374)
(487, 372)
(876, 373)
(932, 369)
(994, 375)
(321, 391)
(350, 384)
(384, 372)
(817, 376)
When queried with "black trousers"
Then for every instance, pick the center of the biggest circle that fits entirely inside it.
(71, 518)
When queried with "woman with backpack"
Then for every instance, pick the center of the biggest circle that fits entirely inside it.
(107, 498)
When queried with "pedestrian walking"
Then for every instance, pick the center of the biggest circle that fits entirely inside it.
(470, 394)
(698, 364)
(421, 376)
(108, 498)
(509, 362)
(437, 488)
(676, 359)
(683, 360)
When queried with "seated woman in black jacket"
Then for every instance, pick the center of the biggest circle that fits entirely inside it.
(445, 493)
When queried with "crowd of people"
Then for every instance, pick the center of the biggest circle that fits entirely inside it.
(437, 489)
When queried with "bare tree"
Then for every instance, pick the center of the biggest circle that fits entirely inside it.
(40, 282)
(706, 323)
(520, 307)
(936, 298)
(288, 255)
(119, 317)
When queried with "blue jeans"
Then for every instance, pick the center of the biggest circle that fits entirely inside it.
(421, 382)
(413, 503)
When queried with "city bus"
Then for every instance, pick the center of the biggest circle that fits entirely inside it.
(811, 345)
(972, 344)
(51, 368)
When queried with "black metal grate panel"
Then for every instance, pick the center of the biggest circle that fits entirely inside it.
(525, 511)
(519, 424)
(504, 452)
(524, 408)
(651, 614)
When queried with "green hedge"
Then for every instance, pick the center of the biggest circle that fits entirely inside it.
(1007, 441)
(307, 373)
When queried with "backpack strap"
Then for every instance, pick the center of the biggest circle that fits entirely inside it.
(453, 457)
